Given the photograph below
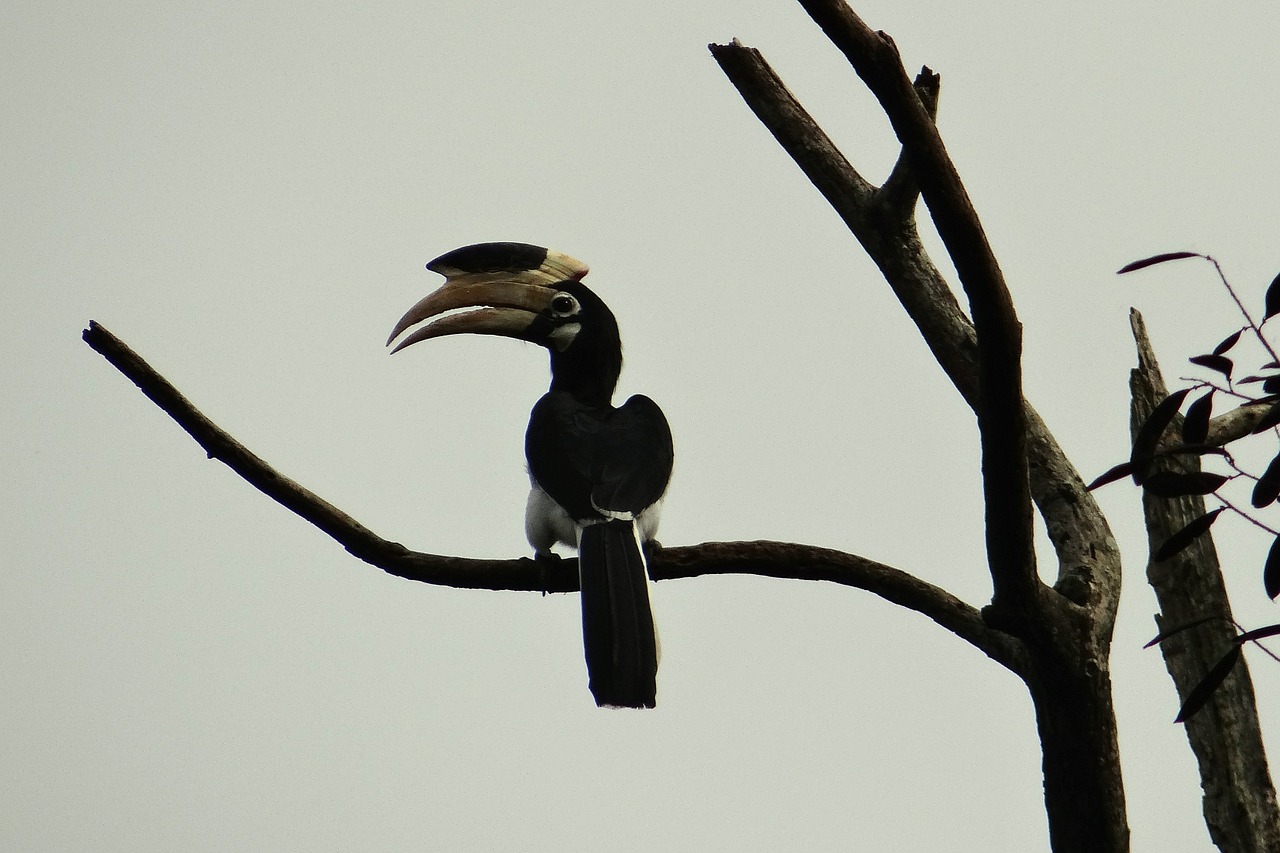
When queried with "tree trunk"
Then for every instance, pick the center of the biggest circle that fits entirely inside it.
(1083, 789)
(1239, 797)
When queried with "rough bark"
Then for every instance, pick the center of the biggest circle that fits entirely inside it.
(1239, 798)
(1070, 687)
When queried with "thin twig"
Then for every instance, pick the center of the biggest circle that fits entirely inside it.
(1257, 330)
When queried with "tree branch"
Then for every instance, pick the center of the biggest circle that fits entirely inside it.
(1001, 418)
(1237, 423)
(767, 559)
(1088, 556)
(1240, 800)
(1067, 636)
(806, 562)
(890, 240)
(900, 190)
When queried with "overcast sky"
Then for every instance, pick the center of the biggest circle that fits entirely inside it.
(247, 193)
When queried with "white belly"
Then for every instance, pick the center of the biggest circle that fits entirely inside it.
(547, 524)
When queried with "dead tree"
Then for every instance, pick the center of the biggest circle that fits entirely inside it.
(1226, 737)
(1056, 637)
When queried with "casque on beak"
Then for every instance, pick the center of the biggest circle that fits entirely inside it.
(506, 301)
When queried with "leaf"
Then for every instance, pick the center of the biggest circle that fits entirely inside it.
(1202, 692)
(1258, 634)
(1164, 635)
(1220, 363)
(1167, 484)
(1176, 543)
(1252, 377)
(1270, 419)
(1155, 259)
(1271, 571)
(1273, 299)
(1192, 450)
(1144, 444)
(1271, 385)
(1195, 429)
(1267, 489)
(1228, 342)
(1124, 469)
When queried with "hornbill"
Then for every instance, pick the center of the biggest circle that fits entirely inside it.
(598, 472)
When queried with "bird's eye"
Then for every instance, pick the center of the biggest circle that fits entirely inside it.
(563, 305)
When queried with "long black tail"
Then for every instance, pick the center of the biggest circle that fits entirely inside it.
(617, 624)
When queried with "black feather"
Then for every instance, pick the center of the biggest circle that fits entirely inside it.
(617, 624)
(491, 257)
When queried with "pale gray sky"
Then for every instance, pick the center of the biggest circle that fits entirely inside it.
(247, 193)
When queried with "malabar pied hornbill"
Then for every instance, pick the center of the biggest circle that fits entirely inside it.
(598, 472)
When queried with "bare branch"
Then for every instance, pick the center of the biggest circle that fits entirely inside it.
(900, 189)
(806, 562)
(793, 127)
(1089, 560)
(768, 559)
(890, 240)
(221, 446)
(1001, 418)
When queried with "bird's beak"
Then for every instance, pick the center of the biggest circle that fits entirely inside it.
(502, 307)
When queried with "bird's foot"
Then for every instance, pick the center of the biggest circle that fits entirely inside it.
(546, 562)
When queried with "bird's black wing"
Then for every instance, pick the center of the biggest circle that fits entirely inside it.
(633, 458)
(593, 460)
(559, 446)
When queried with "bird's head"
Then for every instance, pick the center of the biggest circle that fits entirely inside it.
(525, 292)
